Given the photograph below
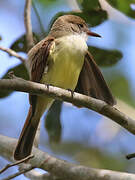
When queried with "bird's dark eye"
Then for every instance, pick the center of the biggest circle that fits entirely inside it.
(80, 25)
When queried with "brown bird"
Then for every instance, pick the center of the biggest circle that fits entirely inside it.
(61, 59)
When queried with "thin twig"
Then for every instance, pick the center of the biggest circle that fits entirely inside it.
(28, 26)
(39, 20)
(13, 53)
(64, 95)
(130, 156)
(16, 163)
(19, 173)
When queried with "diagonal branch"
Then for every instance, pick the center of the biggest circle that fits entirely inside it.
(99, 106)
(60, 168)
(16, 163)
(28, 25)
(13, 53)
(19, 173)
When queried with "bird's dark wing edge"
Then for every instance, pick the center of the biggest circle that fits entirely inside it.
(91, 82)
(39, 62)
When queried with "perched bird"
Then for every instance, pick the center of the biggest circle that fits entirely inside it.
(61, 59)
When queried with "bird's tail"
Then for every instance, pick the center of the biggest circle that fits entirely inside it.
(25, 142)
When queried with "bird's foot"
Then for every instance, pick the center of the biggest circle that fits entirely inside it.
(72, 92)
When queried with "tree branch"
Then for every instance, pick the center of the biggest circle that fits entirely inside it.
(28, 26)
(19, 173)
(38, 176)
(13, 53)
(16, 163)
(60, 168)
(99, 106)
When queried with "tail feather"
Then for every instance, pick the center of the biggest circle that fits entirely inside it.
(24, 146)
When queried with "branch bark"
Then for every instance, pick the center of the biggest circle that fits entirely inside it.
(99, 106)
(13, 53)
(28, 26)
(16, 163)
(19, 173)
(34, 175)
(60, 168)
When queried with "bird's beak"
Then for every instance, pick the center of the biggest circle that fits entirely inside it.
(89, 33)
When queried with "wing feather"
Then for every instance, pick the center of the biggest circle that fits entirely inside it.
(38, 56)
(91, 82)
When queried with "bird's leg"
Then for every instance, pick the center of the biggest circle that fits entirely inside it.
(72, 92)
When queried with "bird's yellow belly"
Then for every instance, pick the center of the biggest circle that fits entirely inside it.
(66, 61)
(64, 66)
(64, 72)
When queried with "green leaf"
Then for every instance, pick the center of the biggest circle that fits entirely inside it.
(46, 2)
(20, 45)
(105, 57)
(92, 12)
(92, 17)
(52, 122)
(19, 71)
(80, 1)
(123, 6)
(121, 88)
(0, 38)
(87, 5)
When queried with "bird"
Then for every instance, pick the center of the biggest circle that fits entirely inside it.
(61, 59)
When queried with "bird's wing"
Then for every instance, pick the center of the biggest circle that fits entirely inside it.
(38, 56)
(92, 83)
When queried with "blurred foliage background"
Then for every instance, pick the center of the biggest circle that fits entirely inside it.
(77, 135)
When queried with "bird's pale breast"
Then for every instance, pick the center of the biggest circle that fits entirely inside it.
(65, 61)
